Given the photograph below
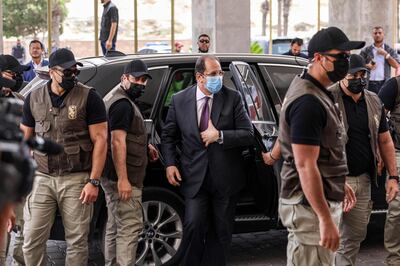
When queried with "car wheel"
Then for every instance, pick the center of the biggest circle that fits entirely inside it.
(161, 238)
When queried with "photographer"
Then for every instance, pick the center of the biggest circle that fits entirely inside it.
(12, 217)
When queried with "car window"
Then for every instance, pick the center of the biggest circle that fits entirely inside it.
(281, 77)
(258, 107)
(146, 101)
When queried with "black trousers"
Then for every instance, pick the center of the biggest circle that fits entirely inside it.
(375, 86)
(207, 231)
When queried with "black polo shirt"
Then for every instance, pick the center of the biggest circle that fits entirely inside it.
(360, 158)
(306, 116)
(95, 108)
(110, 15)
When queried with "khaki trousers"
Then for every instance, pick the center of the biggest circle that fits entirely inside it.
(48, 193)
(18, 255)
(124, 224)
(353, 226)
(303, 227)
(392, 226)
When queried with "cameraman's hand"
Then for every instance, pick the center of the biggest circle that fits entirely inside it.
(89, 194)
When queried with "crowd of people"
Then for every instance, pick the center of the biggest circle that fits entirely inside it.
(334, 139)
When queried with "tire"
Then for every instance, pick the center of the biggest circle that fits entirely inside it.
(161, 238)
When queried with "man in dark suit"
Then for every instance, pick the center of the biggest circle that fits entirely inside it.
(211, 127)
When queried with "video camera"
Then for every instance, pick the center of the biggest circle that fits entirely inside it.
(17, 166)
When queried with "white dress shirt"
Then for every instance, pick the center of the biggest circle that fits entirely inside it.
(378, 74)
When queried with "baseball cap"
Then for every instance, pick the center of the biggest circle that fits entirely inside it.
(357, 63)
(331, 38)
(63, 58)
(137, 68)
(9, 62)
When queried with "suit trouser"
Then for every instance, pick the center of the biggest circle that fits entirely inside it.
(392, 226)
(124, 224)
(303, 239)
(353, 226)
(207, 229)
(48, 193)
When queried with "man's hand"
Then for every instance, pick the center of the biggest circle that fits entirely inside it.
(392, 188)
(11, 221)
(371, 66)
(89, 194)
(381, 51)
(173, 175)
(124, 189)
(267, 158)
(329, 234)
(153, 153)
(210, 135)
(108, 44)
(349, 198)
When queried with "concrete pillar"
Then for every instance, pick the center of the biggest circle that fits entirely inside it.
(358, 17)
(227, 22)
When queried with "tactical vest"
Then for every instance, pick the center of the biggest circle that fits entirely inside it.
(395, 117)
(331, 161)
(65, 125)
(374, 109)
(136, 142)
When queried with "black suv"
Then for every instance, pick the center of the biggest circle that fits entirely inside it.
(262, 81)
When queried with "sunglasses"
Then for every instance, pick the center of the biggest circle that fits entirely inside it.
(70, 72)
(339, 56)
(142, 79)
(204, 41)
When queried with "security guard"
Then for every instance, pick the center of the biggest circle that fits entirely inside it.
(74, 116)
(368, 136)
(390, 96)
(122, 180)
(312, 139)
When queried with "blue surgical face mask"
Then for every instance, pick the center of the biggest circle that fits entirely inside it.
(214, 84)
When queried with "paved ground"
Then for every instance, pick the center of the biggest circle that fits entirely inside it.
(255, 249)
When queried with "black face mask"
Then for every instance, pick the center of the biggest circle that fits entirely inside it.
(341, 66)
(68, 83)
(357, 85)
(135, 90)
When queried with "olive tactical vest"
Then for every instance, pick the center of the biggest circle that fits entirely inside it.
(65, 125)
(331, 162)
(374, 109)
(136, 142)
(395, 116)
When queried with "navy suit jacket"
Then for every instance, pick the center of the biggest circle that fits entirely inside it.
(30, 74)
(224, 162)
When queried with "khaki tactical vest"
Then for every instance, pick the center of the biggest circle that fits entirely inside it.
(395, 117)
(136, 142)
(331, 162)
(65, 125)
(374, 109)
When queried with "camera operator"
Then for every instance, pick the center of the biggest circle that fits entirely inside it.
(12, 216)
(73, 115)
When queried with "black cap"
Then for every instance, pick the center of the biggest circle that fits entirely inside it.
(63, 58)
(137, 68)
(331, 38)
(9, 62)
(357, 63)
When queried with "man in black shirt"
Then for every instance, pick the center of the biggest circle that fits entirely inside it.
(126, 165)
(109, 26)
(295, 48)
(368, 139)
(390, 96)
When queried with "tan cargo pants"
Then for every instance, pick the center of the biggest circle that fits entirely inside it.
(353, 226)
(18, 255)
(303, 239)
(124, 224)
(392, 226)
(48, 193)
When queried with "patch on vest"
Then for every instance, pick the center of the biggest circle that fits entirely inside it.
(72, 112)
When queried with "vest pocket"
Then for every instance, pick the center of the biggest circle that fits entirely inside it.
(79, 156)
(42, 127)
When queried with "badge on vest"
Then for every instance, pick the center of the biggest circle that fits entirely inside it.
(72, 112)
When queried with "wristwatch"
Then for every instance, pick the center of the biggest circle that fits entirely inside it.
(395, 177)
(94, 182)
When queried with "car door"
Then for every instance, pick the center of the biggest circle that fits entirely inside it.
(262, 179)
